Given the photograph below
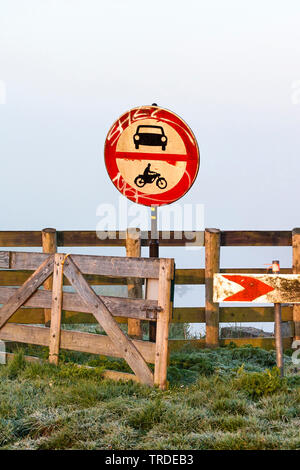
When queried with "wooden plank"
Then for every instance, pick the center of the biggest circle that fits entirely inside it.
(57, 296)
(265, 343)
(29, 316)
(89, 238)
(4, 259)
(13, 278)
(126, 348)
(256, 238)
(212, 265)
(182, 276)
(188, 315)
(296, 270)
(257, 288)
(49, 246)
(88, 264)
(252, 314)
(35, 316)
(76, 238)
(73, 340)
(231, 314)
(135, 289)
(20, 238)
(166, 275)
(16, 278)
(175, 238)
(136, 308)
(26, 290)
(190, 276)
(180, 315)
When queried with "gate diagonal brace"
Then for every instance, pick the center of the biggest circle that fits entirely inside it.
(26, 290)
(125, 346)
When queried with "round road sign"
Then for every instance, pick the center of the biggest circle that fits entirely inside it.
(151, 156)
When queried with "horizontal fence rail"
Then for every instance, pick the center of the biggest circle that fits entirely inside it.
(76, 238)
(211, 315)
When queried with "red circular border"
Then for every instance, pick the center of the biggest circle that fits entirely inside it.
(161, 115)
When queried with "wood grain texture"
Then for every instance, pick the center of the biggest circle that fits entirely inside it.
(89, 264)
(190, 276)
(253, 314)
(56, 308)
(256, 238)
(72, 340)
(17, 278)
(125, 346)
(26, 290)
(212, 266)
(166, 274)
(182, 276)
(20, 238)
(135, 288)
(120, 306)
(4, 259)
(180, 315)
(76, 238)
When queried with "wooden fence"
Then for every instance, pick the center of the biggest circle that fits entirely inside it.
(211, 314)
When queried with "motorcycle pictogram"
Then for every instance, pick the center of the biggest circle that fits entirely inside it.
(148, 177)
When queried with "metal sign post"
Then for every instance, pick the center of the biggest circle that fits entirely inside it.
(153, 253)
(277, 319)
(152, 158)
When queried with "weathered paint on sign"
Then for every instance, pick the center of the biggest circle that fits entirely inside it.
(259, 288)
(151, 156)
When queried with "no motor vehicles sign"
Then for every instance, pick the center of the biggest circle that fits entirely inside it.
(151, 156)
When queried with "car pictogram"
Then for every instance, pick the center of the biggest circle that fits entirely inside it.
(150, 135)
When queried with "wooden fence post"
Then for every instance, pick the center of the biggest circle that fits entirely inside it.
(49, 244)
(212, 266)
(296, 270)
(57, 294)
(135, 290)
(166, 274)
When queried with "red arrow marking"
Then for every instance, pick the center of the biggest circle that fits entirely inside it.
(253, 288)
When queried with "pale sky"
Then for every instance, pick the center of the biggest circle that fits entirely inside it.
(230, 69)
(227, 68)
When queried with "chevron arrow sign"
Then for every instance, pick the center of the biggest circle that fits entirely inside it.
(259, 288)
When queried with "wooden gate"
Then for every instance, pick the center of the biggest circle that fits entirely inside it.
(158, 274)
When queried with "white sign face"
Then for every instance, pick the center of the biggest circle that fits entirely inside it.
(172, 170)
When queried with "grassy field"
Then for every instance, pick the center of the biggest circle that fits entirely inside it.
(230, 398)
